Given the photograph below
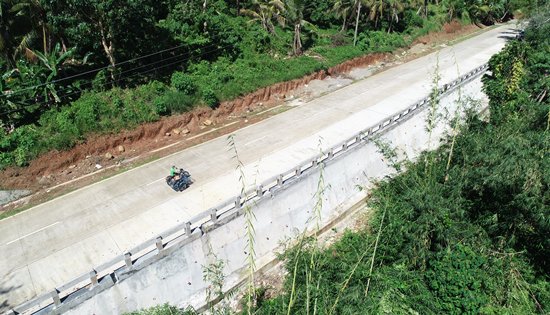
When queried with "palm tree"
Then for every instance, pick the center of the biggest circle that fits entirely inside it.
(344, 9)
(358, 5)
(377, 8)
(291, 12)
(263, 11)
(347, 9)
(395, 7)
(36, 15)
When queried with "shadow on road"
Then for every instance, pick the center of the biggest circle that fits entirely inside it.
(4, 290)
(511, 34)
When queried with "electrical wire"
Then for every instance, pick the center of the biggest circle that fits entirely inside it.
(25, 104)
(101, 68)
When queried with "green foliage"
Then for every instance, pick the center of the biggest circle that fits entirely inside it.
(61, 128)
(164, 309)
(470, 238)
(101, 80)
(457, 278)
(209, 97)
(32, 86)
(173, 102)
(377, 41)
(209, 53)
(129, 26)
(183, 83)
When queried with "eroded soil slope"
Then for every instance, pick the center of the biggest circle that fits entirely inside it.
(100, 156)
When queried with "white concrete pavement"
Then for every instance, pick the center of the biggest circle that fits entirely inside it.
(57, 241)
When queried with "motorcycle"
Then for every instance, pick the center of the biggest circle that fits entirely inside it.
(180, 181)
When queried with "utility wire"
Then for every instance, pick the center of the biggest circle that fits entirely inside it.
(26, 104)
(101, 68)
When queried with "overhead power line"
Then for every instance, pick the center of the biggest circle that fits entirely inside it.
(101, 68)
(26, 104)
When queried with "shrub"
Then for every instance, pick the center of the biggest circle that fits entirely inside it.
(183, 83)
(378, 41)
(174, 102)
(24, 142)
(161, 107)
(210, 98)
(457, 278)
(86, 112)
(164, 309)
(99, 83)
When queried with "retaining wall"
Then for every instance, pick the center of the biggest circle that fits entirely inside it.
(169, 268)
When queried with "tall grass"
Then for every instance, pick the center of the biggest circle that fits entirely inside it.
(250, 232)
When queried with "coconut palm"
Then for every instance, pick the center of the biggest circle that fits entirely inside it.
(291, 12)
(360, 4)
(262, 11)
(347, 9)
(344, 9)
(395, 7)
(377, 9)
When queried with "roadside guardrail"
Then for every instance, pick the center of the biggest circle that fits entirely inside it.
(110, 272)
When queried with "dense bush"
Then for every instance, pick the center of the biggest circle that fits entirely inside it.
(105, 112)
(209, 97)
(183, 83)
(468, 238)
(377, 41)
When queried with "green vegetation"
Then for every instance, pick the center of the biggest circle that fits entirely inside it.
(462, 231)
(71, 68)
(470, 237)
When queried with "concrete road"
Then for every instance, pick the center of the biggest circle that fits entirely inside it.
(59, 240)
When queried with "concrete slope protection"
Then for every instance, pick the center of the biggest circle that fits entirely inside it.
(59, 240)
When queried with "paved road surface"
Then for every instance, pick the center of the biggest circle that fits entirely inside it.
(63, 238)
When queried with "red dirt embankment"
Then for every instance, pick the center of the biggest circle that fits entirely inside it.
(56, 167)
(142, 138)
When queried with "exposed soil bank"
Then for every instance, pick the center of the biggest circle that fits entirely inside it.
(108, 154)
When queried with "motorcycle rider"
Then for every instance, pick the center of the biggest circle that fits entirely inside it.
(173, 170)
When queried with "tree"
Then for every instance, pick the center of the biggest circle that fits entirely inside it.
(357, 21)
(345, 9)
(291, 12)
(349, 8)
(262, 11)
(118, 29)
(377, 10)
(23, 23)
(205, 32)
(30, 87)
(395, 8)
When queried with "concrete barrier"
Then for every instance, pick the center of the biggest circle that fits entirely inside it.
(168, 268)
